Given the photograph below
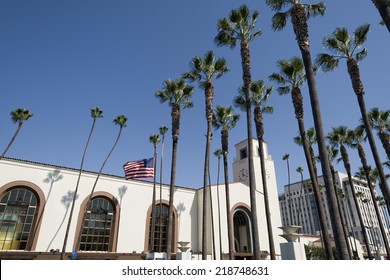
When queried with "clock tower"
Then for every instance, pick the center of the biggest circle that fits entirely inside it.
(241, 170)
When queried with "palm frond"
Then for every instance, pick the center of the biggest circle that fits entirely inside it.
(283, 90)
(276, 5)
(276, 77)
(326, 62)
(360, 34)
(361, 55)
(279, 21)
(315, 9)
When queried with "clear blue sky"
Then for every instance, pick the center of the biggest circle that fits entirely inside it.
(60, 58)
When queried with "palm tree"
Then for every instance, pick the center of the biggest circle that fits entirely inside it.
(218, 153)
(121, 121)
(260, 96)
(154, 139)
(383, 7)
(204, 70)
(163, 130)
(332, 154)
(380, 121)
(344, 47)
(18, 116)
(96, 113)
(338, 137)
(300, 221)
(290, 78)
(225, 119)
(286, 157)
(299, 13)
(240, 25)
(311, 140)
(356, 137)
(362, 199)
(177, 94)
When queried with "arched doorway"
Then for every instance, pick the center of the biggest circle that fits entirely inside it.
(242, 232)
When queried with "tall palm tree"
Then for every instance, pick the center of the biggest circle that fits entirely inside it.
(163, 130)
(383, 7)
(299, 13)
(154, 139)
(356, 137)
(225, 119)
(361, 197)
(204, 70)
(218, 153)
(96, 113)
(240, 26)
(177, 94)
(338, 137)
(260, 96)
(301, 221)
(380, 121)
(290, 78)
(346, 47)
(333, 154)
(121, 121)
(18, 116)
(286, 157)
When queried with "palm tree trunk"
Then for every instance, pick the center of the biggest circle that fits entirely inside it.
(385, 142)
(153, 224)
(363, 160)
(212, 219)
(160, 216)
(12, 140)
(260, 132)
(75, 193)
(344, 154)
(298, 19)
(225, 139)
(94, 186)
(175, 139)
(289, 191)
(354, 73)
(246, 75)
(209, 116)
(341, 213)
(219, 211)
(298, 107)
(384, 10)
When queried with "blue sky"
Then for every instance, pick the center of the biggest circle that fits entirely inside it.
(60, 58)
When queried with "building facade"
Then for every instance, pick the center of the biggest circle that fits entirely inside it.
(298, 207)
(35, 202)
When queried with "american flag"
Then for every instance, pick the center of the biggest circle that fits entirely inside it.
(139, 169)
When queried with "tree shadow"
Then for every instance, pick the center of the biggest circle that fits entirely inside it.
(121, 192)
(52, 177)
(180, 208)
(66, 200)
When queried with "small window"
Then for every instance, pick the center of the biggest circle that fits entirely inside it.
(243, 153)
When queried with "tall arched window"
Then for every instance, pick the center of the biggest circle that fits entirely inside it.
(161, 229)
(98, 225)
(18, 209)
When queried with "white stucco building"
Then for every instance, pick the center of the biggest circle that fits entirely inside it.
(35, 201)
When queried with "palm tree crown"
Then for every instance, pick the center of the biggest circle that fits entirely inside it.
(279, 20)
(342, 46)
(17, 116)
(239, 26)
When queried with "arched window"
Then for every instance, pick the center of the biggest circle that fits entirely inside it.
(242, 231)
(18, 209)
(161, 229)
(98, 225)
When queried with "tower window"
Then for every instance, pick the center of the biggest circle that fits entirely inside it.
(243, 153)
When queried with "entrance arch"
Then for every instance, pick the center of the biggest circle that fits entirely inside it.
(242, 231)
